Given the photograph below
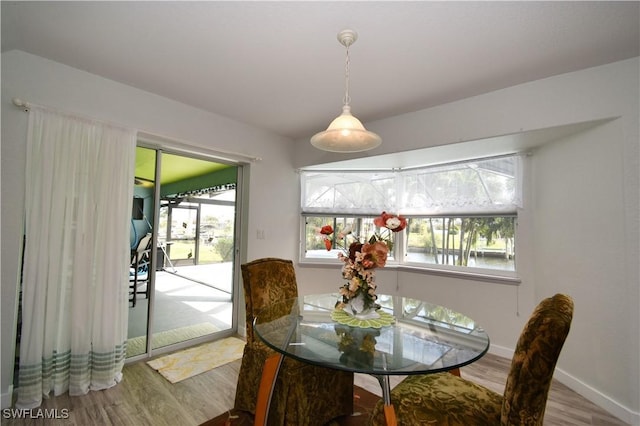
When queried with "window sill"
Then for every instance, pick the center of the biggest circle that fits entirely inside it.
(466, 275)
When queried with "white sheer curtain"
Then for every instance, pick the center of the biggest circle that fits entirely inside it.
(79, 187)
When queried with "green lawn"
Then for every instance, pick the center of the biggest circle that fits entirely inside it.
(208, 254)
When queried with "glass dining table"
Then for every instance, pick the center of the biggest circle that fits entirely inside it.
(411, 337)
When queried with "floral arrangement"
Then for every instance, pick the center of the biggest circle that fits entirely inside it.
(361, 260)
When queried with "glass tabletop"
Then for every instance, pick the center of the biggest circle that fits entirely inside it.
(424, 338)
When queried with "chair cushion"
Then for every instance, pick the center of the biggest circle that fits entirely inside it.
(441, 399)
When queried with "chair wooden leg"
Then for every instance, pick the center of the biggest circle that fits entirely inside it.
(455, 372)
(267, 383)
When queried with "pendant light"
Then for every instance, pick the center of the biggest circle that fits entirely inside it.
(346, 133)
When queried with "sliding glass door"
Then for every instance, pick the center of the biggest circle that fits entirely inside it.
(190, 293)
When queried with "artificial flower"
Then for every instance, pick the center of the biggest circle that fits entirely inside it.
(326, 230)
(354, 248)
(376, 254)
(394, 223)
(361, 259)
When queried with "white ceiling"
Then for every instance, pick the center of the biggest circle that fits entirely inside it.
(279, 66)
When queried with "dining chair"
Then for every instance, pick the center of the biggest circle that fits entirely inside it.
(139, 269)
(445, 399)
(304, 394)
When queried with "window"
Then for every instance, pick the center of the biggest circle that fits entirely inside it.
(461, 216)
(485, 242)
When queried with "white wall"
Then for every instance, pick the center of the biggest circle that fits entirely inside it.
(272, 186)
(580, 245)
(578, 232)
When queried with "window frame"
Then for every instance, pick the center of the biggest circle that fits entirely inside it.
(397, 260)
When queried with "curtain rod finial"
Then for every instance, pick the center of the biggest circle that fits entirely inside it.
(20, 103)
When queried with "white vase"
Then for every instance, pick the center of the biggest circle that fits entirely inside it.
(356, 308)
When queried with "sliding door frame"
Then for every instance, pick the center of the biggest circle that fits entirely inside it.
(240, 243)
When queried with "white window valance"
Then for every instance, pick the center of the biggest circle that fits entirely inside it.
(482, 186)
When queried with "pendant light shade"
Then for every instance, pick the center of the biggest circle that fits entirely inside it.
(346, 133)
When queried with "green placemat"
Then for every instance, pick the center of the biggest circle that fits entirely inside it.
(341, 317)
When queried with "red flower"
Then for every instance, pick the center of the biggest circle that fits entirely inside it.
(395, 223)
(326, 230)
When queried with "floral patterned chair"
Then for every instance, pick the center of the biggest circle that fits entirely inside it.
(304, 394)
(444, 399)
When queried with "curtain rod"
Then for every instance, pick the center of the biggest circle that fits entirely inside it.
(26, 106)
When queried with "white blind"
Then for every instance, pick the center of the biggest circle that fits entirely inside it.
(483, 186)
(348, 192)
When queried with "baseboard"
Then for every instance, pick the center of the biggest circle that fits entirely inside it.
(588, 392)
(7, 398)
(601, 400)
(501, 351)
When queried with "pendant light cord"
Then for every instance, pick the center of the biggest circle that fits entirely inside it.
(347, 98)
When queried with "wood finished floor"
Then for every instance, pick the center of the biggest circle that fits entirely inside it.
(144, 397)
